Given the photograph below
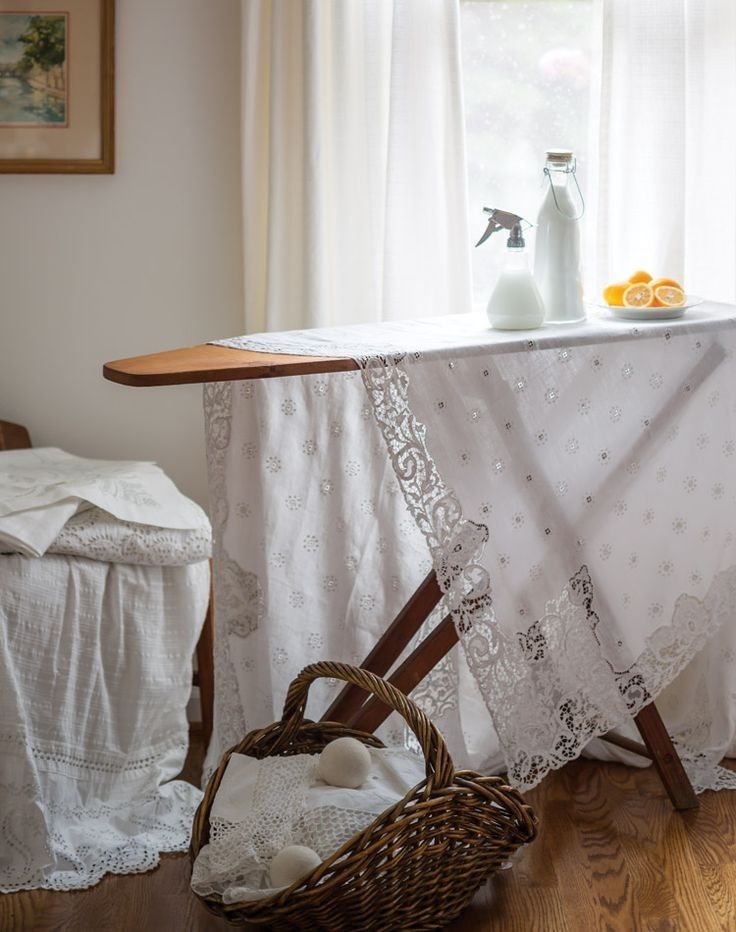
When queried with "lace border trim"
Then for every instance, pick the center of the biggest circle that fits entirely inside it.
(498, 660)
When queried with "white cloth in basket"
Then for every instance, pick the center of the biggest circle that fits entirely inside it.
(263, 805)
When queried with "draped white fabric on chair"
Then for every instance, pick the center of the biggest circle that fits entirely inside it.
(353, 162)
(667, 143)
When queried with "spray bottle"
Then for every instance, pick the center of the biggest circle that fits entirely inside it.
(515, 303)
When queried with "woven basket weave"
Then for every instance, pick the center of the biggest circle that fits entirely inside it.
(418, 864)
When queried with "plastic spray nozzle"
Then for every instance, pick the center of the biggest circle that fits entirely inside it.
(504, 220)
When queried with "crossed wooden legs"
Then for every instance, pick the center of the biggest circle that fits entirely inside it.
(349, 706)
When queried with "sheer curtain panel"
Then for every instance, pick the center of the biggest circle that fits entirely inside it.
(667, 143)
(353, 162)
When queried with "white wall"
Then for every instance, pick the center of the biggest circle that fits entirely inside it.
(94, 268)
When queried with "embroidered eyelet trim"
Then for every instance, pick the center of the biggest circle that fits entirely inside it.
(58, 843)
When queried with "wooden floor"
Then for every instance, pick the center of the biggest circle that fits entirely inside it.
(611, 855)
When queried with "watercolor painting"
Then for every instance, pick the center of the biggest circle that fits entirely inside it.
(33, 69)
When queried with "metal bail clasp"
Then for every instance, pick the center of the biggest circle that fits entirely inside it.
(567, 171)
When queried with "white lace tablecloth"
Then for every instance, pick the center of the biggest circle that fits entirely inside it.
(572, 487)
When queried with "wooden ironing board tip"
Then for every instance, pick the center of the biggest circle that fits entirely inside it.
(209, 363)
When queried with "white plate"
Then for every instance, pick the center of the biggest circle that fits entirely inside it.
(652, 313)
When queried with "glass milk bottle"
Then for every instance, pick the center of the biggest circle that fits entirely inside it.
(557, 253)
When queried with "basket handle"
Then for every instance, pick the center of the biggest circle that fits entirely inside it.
(439, 767)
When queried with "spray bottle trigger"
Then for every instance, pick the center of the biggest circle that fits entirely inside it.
(503, 220)
(492, 227)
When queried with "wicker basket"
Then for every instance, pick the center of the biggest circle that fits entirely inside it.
(418, 864)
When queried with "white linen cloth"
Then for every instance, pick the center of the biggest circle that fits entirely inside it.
(41, 488)
(353, 157)
(664, 198)
(33, 530)
(95, 534)
(96, 641)
(264, 805)
(95, 674)
(572, 487)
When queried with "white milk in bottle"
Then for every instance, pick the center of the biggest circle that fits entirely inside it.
(557, 252)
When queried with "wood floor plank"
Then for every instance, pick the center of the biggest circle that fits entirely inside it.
(611, 856)
(695, 908)
(641, 811)
(720, 887)
(598, 854)
(576, 891)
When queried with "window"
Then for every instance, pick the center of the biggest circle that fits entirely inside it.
(527, 82)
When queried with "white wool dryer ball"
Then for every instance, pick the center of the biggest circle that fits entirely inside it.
(292, 863)
(345, 762)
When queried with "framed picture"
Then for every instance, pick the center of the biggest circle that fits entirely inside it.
(57, 86)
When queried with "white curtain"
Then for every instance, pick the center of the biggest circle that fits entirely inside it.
(353, 162)
(666, 191)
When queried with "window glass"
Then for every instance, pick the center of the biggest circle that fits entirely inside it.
(526, 80)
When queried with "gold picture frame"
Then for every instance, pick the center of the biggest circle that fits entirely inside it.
(57, 86)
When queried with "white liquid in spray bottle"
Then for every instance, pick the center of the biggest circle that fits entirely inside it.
(515, 302)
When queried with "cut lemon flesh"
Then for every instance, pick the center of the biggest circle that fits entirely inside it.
(639, 294)
(665, 281)
(669, 296)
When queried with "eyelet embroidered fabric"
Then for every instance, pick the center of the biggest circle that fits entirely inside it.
(264, 805)
(574, 493)
(88, 749)
(99, 536)
(42, 488)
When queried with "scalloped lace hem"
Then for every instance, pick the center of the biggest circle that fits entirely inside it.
(555, 686)
(58, 847)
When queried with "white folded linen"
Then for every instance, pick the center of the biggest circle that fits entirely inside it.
(40, 489)
(31, 532)
(95, 534)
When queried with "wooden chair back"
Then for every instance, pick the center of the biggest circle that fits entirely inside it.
(14, 436)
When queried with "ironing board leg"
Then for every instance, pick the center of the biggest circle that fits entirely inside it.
(389, 647)
(350, 707)
(665, 758)
(412, 671)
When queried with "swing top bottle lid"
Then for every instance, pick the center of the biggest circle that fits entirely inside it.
(559, 155)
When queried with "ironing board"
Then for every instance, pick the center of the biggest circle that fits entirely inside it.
(212, 363)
